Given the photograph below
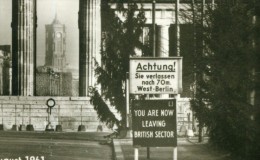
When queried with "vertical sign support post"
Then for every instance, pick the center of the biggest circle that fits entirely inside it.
(148, 152)
(154, 28)
(81, 115)
(175, 151)
(178, 54)
(23, 116)
(154, 49)
(59, 115)
(136, 153)
(29, 114)
(177, 27)
(2, 114)
(127, 99)
(15, 118)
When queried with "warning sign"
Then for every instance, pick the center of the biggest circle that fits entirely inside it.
(154, 123)
(156, 75)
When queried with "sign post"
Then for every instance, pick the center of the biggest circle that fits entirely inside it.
(154, 122)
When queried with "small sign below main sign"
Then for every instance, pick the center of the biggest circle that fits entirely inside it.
(154, 123)
(156, 75)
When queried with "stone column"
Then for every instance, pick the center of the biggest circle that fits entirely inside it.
(89, 42)
(1, 72)
(163, 41)
(163, 45)
(23, 46)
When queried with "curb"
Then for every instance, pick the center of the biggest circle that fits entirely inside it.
(118, 153)
(205, 141)
(83, 136)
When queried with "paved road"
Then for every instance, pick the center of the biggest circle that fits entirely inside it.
(53, 149)
(187, 150)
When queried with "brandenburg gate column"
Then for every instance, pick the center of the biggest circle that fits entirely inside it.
(23, 46)
(89, 42)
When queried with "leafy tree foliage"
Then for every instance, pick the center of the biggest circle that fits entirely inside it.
(120, 41)
(224, 77)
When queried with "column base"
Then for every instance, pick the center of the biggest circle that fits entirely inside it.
(183, 131)
(58, 128)
(49, 127)
(15, 128)
(22, 127)
(82, 128)
(29, 127)
(1, 127)
(190, 133)
(129, 133)
(99, 128)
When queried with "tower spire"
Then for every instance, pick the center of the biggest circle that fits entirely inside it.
(56, 16)
(56, 8)
(56, 21)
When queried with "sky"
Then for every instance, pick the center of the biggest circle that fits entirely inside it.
(67, 12)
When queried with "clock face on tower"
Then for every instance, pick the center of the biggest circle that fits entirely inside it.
(58, 35)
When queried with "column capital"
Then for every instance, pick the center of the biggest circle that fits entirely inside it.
(164, 25)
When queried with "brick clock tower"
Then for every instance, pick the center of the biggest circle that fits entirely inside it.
(55, 46)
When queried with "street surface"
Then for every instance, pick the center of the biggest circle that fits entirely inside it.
(187, 150)
(47, 148)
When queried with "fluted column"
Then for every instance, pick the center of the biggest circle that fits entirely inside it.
(163, 45)
(163, 41)
(89, 41)
(23, 46)
(1, 72)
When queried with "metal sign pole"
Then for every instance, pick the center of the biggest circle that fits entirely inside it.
(23, 116)
(15, 115)
(148, 152)
(2, 114)
(127, 100)
(81, 115)
(154, 28)
(177, 27)
(29, 114)
(178, 54)
(174, 153)
(136, 153)
(59, 115)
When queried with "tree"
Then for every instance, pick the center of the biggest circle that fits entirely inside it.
(120, 41)
(224, 78)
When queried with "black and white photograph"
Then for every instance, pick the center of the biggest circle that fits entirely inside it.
(129, 80)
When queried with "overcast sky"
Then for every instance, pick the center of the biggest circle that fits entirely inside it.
(67, 11)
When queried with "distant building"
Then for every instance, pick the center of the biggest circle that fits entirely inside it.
(5, 70)
(53, 79)
(53, 83)
(56, 46)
